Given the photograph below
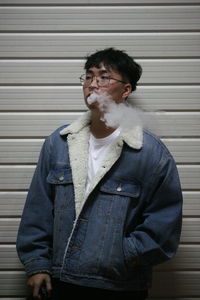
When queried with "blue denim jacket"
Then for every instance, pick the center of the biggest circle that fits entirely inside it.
(128, 222)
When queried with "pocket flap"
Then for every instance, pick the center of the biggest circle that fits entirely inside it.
(60, 176)
(119, 187)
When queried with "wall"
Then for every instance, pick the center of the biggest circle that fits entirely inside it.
(42, 49)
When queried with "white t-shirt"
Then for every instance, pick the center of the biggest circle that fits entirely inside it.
(96, 153)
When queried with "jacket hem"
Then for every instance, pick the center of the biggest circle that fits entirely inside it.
(103, 283)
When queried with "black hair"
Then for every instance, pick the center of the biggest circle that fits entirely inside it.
(117, 60)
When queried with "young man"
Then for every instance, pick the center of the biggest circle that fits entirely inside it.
(105, 204)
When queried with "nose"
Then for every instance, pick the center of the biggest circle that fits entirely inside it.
(94, 83)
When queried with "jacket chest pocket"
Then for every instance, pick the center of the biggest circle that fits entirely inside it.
(61, 180)
(116, 195)
(60, 175)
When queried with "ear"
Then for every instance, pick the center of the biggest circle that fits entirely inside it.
(127, 90)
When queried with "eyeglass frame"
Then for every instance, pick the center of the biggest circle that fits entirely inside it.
(92, 78)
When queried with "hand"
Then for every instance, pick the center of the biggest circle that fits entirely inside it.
(36, 281)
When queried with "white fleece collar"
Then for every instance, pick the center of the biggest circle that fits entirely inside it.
(133, 137)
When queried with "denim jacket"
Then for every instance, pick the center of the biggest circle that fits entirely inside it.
(111, 237)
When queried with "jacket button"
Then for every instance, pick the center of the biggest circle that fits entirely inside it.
(119, 189)
(61, 178)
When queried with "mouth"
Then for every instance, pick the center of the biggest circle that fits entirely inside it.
(88, 95)
(93, 92)
(92, 97)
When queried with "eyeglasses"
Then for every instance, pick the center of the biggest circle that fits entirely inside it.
(102, 81)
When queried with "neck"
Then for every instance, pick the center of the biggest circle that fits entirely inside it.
(98, 128)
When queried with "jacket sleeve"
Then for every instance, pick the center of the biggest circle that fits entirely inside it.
(156, 238)
(34, 240)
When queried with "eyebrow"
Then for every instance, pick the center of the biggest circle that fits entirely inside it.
(100, 71)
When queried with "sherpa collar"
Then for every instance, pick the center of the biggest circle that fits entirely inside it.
(133, 137)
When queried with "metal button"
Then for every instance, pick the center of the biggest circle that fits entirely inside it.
(61, 178)
(119, 189)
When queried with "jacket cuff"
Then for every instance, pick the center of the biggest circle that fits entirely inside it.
(35, 266)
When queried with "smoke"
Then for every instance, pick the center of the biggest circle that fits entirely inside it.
(121, 114)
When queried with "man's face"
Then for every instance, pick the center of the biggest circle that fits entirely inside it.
(118, 91)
